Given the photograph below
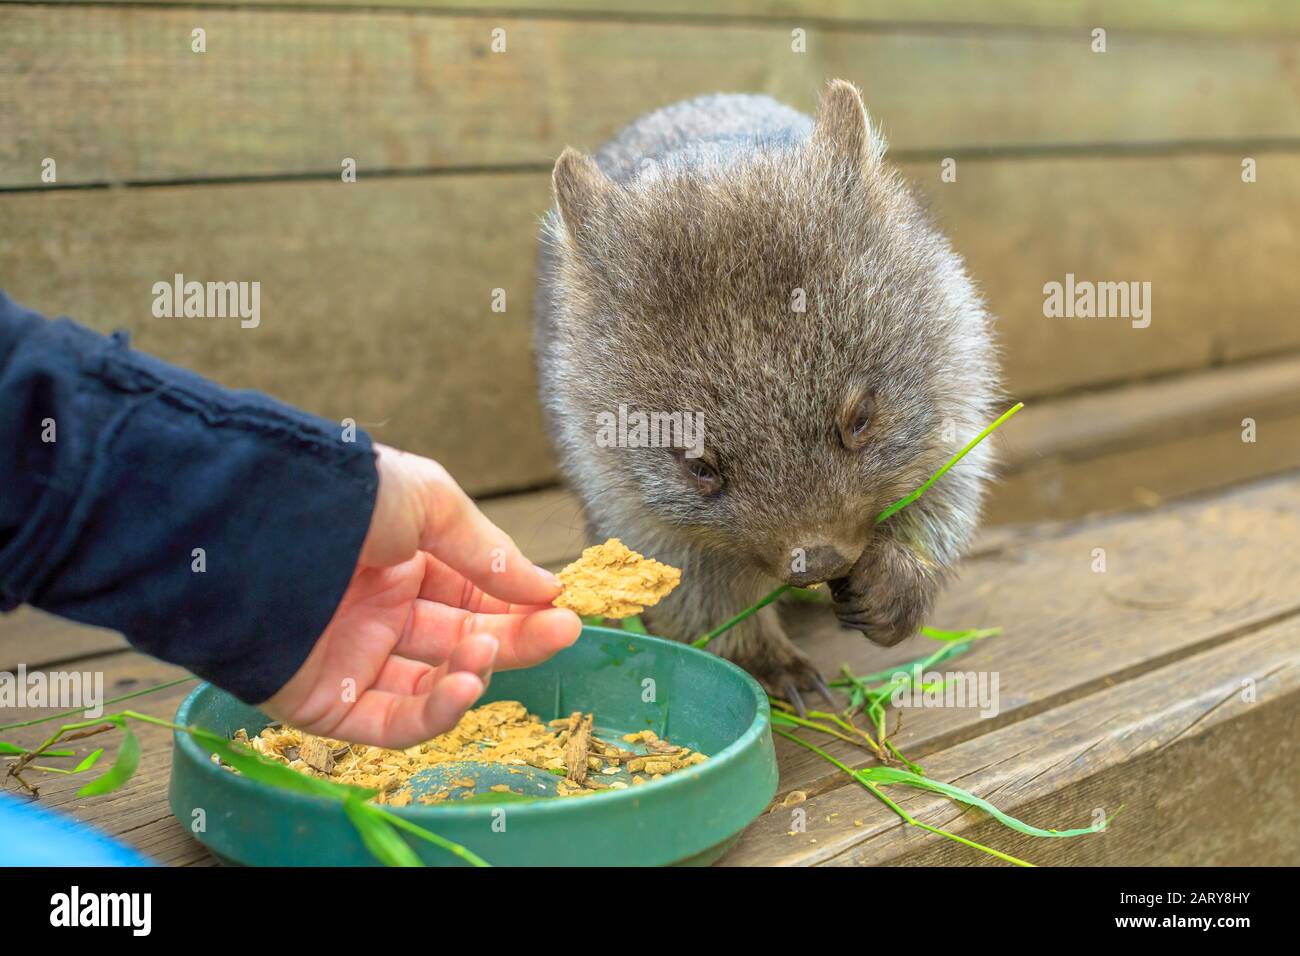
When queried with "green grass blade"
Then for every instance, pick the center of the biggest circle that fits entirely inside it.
(428, 835)
(906, 500)
(752, 609)
(970, 634)
(907, 817)
(128, 759)
(8, 748)
(90, 761)
(946, 652)
(257, 767)
(890, 776)
(379, 836)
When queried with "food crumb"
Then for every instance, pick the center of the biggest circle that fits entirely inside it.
(498, 733)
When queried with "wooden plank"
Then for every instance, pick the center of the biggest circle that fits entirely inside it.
(36, 639)
(1097, 453)
(376, 300)
(1269, 17)
(1141, 445)
(1177, 581)
(1134, 416)
(1056, 766)
(114, 94)
(1122, 449)
(377, 296)
(1199, 767)
(548, 524)
(1146, 477)
(1179, 223)
(1146, 470)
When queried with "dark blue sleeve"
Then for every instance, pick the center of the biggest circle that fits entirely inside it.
(216, 529)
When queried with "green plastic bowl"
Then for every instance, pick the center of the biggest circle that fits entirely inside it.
(631, 682)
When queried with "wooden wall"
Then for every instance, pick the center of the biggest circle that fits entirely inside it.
(377, 295)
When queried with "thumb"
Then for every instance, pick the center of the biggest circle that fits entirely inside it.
(454, 531)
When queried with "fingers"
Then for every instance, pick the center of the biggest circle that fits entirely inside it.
(446, 585)
(434, 634)
(403, 675)
(387, 719)
(460, 536)
(410, 701)
(475, 655)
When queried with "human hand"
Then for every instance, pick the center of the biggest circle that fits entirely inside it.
(440, 598)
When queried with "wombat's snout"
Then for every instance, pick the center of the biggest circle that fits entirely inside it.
(821, 562)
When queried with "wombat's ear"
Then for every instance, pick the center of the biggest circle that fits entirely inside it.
(843, 129)
(580, 189)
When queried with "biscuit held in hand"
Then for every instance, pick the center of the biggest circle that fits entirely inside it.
(611, 580)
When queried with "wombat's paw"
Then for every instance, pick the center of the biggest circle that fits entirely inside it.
(887, 594)
(789, 678)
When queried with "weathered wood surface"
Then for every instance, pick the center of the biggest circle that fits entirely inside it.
(1264, 17)
(377, 297)
(114, 94)
(1141, 445)
(1115, 687)
(1203, 773)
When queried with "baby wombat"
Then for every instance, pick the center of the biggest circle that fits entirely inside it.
(731, 258)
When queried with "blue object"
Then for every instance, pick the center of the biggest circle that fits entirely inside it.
(34, 836)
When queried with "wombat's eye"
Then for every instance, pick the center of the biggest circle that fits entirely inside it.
(703, 475)
(855, 420)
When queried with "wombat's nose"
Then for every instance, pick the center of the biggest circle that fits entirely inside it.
(821, 562)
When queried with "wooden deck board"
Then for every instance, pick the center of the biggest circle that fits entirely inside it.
(1219, 778)
(1195, 595)
(114, 94)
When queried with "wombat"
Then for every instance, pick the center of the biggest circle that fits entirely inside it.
(730, 258)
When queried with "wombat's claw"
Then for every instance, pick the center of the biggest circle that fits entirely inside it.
(791, 693)
(827, 694)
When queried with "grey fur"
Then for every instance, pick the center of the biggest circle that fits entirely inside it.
(666, 282)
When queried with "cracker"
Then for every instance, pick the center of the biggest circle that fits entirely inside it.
(611, 580)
